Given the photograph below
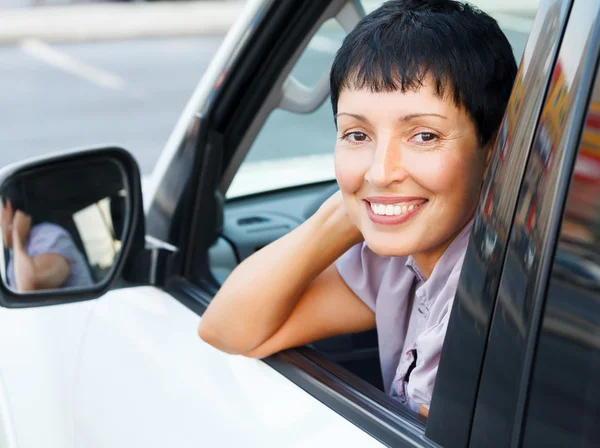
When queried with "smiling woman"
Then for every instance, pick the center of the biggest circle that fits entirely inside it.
(418, 90)
(403, 150)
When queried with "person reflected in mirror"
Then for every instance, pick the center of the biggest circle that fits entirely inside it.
(41, 256)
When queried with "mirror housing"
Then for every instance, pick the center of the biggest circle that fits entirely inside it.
(77, 220)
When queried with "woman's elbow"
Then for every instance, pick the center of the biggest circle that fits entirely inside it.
(211, 336)
(208, 335)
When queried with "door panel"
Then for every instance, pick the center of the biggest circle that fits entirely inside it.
(148, 380)
(522, 291)
(39, 351)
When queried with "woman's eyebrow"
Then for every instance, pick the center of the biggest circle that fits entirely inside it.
(403, 119)
(411, 116)
(358, 117)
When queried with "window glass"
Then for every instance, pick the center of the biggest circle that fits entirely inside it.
(291, 148)
(564, 401)
(100, 241)
(296, 149)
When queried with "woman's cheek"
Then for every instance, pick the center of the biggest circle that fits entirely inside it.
(350, 169)
(432, 170)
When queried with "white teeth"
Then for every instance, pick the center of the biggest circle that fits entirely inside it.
(392, 209)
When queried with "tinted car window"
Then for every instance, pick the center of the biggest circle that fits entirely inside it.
(564, 401)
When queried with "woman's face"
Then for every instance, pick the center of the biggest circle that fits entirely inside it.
(410, 169)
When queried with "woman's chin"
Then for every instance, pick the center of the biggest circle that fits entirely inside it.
(382, 246)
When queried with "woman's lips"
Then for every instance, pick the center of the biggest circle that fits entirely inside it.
(393, 211)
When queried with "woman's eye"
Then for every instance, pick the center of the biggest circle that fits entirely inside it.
(355, 137)
(426, 137)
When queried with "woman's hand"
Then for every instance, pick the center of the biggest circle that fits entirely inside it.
(21, 226)
(335, 216)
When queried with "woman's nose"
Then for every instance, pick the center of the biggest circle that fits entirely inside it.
(386, 166)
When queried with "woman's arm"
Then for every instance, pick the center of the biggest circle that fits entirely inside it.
(288, 293)
(43, 271)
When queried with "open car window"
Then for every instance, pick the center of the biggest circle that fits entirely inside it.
(294, 148)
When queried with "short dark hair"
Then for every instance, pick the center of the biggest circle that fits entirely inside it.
(461, 48)
(12, 191)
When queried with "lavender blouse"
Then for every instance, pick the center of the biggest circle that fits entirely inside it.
(411, 312)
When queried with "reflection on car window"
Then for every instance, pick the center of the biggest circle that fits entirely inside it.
(565, 396)
(297, 149)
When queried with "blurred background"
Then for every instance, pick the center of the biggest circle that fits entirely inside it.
(77, 73)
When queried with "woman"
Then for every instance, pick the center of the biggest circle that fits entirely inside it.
(418, 90)
(39, 255)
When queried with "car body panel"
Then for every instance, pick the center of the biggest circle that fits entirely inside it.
(146, 379)
(39, 352)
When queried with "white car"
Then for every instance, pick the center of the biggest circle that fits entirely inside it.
(119, 363)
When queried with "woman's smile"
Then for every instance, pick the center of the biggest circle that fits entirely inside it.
(393, 210)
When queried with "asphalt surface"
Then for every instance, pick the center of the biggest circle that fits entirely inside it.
(130, 93)
(81, 95)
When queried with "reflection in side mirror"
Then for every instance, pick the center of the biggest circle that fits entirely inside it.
(62, 224)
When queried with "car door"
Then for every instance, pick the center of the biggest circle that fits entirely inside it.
(39, 348)
(533, 276)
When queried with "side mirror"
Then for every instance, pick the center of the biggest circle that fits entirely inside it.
(68, 224)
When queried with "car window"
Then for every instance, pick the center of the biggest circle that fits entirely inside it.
(292, 148)
(296, 149)
(99, 235)
(564, 400)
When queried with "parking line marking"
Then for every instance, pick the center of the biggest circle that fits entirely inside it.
(44, 52)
